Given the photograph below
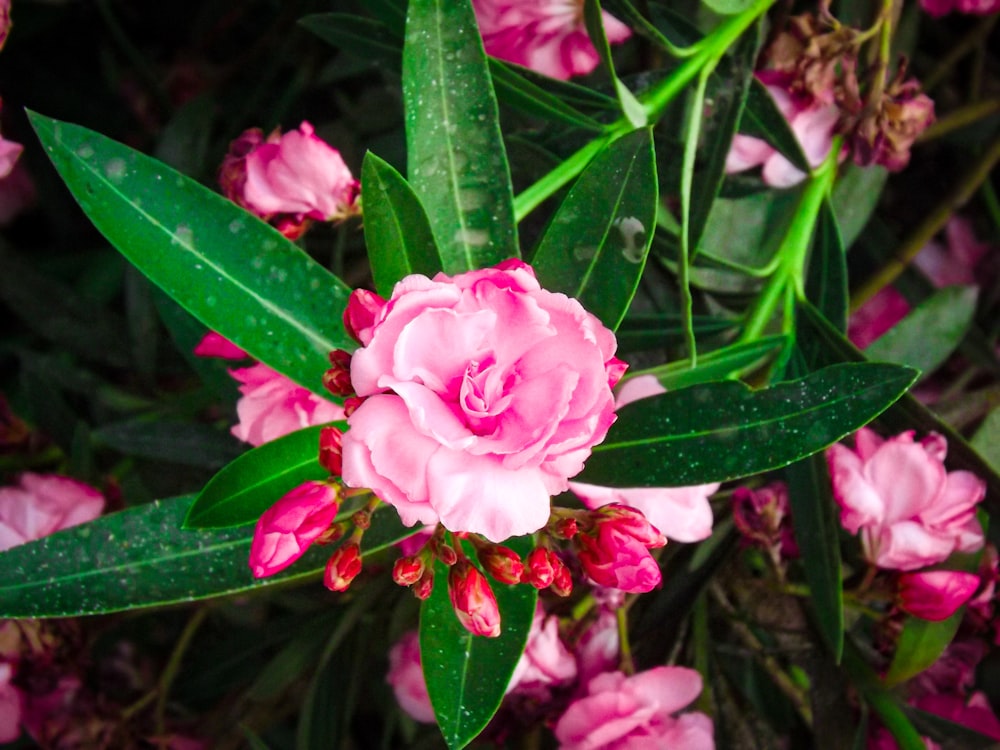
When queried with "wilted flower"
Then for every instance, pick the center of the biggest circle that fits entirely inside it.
(548, 36)
(763, 517)
(909, 510)
(479, 434)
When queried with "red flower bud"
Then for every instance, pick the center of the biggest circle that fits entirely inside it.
(408, 570)
(503, 563)
(423, 588)
(540, 568)
(562, 584)
(473, 600)
(337, 379)
(342, 567)
(363, 307)
(330, 451)
(630, 521)
(351, 405)
(566, 528)
(445, 554)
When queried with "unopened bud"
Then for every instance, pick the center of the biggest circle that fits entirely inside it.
(503, 563)
(632, 522)
(342, 567)
(562, 583)
(473, 600)
(331, 451)
(362, 519)
(422, 589)
(337, 379)
(566, 528)
(446, 554)
(539, 570)
(408, 570)
(351, 405)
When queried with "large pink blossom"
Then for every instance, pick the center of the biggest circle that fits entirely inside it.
(679, 513)
(271, 405)
(910, 511)
(548, 36)
(813, 124)
(637, 712)
(978, 7)
(42, 504)
(483, 393)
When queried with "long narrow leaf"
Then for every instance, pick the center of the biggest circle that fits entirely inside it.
(720, 431)
(457, 163)
(236, 274)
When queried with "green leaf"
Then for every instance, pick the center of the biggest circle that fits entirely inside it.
(631, 107)
(467, 675)
(720, 431)
(817, 528)
(171, 440)
(457, 163)
(716, 365)
(252, 483)
(397, 234)
(364, 37)
(919, 645)
(763, 119)
(237, 275)
(855, 195)
(515, 90)
(987, 439)
(596, 244)
(826, 281)
(926, 337)
(639, 332)
(141, 557)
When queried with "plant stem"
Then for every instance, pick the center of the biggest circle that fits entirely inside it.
(173, 665)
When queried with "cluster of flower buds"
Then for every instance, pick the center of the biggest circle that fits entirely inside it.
(337, 380)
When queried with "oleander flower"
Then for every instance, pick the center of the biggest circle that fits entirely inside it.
(479, 433)
(288, 179)
(9, 150)
(42, 504)
(939, 8)
(548, 36)
(289, 527)
(896, 493)
(621, 713)
(271, 404)
(11, 704)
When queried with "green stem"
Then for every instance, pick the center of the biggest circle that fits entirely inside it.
(794, 249)
(627, 664)
(173, 665)
(655, 101)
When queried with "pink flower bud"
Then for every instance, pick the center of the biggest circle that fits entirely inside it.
(632, 522)
(445, 554)
(423, 588)
(473, 600)
(618, 560)
(539, 570)
(363, 308)
(565, 528)
(408, 570)
(337, 379)
(562, 583)
(935, 595)
(331, 455)
(503, 563)
(286, 529)
(342, 567)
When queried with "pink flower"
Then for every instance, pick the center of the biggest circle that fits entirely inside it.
(813, 123)
(941, 7)
(406, 676)
(598, 649)
(876, 316)
(680, 513)
(42, 504)
(288, 179)
(910, 511)
(272, 405)
(9, 152)
(4, 21)
(935, 595)
(286, 529)
(548, 36)
(975, 713)
(637, 712)
(11, 705)
(473, 600)
(17, 193)
(480, 433)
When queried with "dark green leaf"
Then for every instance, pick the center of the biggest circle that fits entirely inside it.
(817, 528)
(720, 431)
(631, 107)
(141, 557)
(987, 439)
(596, 244)
(252, 483)
(763, 119)
(364, 37)
(919, 645)
(926, 337)
(826, 283)
(397, 234)
(518, 91)
(467, 675)
(237, 275)
(638, 332)
(881, 701)
(171, 440)
(855, 195)
(457, 163)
